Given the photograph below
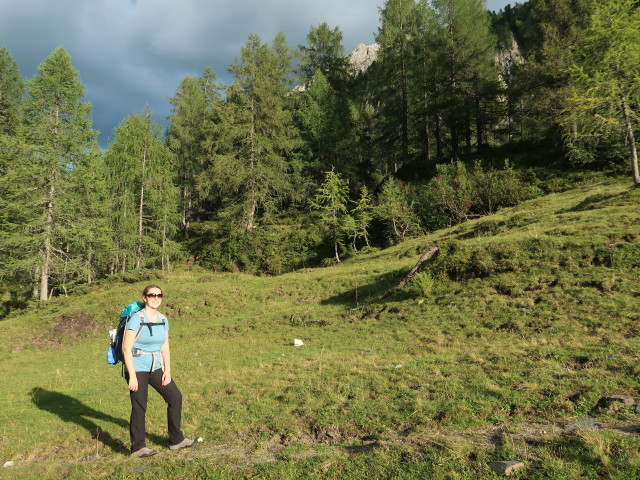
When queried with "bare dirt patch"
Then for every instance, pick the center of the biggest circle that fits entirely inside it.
(67, 330)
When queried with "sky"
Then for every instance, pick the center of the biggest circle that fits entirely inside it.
(134, 53)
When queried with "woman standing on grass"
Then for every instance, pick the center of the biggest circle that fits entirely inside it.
(147, 360)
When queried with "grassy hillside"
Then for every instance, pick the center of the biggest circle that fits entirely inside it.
(517, 329)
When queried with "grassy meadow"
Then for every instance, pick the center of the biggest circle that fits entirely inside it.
(518, 327)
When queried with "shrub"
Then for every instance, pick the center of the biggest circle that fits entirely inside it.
(501, 188)
(269, 249)
(456, 193)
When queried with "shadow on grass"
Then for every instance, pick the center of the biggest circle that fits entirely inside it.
(594, 202)
(72, 410)
(362, 293)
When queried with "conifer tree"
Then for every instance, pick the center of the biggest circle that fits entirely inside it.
(425, 85)
(59, 135)
(398, 27)
(465, 60)
(11, 89)
(12, 215)
(560, 25)
(253, 168)
(331, 201)
(395, 209)
(91, 240)
(324, 52)
(140, 177)
(362, 213)
(192, 137)
(604, 92)
(325, 108)
(325, 126)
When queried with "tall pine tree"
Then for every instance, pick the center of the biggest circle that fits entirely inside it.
(604, 92)
(193, 139)
(466, 49)
(397, 29)
(59, 135)
(253, 169)
(144, 209)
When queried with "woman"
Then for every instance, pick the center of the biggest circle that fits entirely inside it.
(147, 360)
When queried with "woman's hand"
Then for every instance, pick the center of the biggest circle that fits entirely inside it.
(133, 383)
(166, 379)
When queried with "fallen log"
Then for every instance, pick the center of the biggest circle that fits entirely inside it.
(428, 254)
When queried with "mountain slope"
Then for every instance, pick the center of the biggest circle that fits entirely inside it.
(526, 318)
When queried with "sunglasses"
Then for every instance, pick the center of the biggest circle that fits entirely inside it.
(153, 295)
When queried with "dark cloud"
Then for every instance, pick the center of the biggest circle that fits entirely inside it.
(133, 53)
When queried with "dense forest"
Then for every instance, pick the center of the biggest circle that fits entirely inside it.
(304, 160)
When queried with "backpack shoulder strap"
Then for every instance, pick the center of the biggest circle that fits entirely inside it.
(142, 324)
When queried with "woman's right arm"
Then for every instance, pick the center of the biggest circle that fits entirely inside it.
(127, 352)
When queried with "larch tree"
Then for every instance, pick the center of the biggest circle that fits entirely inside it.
(559, 25)
(465, 59)
(323, 52)
(11, 89)
(325, 108)
(326, 128)
(140, 177)
(362, 214)
(395, 209)
(11, 149)
(397, 29)
(59, 135)
(604, 92)
(257, 135)
(192, 137)
(331, 201)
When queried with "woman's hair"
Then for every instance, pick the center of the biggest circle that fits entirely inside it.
(149, 287)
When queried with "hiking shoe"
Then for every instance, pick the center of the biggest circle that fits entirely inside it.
(186, 443)
(143, 452)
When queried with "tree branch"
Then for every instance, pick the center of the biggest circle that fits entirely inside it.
(428, 254)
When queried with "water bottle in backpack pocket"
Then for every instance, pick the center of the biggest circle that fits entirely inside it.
(111, 358)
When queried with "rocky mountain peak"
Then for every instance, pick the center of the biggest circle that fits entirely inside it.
(362, 58)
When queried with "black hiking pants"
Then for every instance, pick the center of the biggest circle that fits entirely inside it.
(171, 395)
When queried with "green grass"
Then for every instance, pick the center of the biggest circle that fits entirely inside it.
(531, 317)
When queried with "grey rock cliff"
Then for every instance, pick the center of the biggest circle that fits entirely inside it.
(362, 58)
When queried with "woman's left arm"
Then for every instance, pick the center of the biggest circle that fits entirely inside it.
(166, 361)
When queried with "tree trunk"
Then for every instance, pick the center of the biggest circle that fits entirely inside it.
(164, 246)
(438, 139)
(187, 198)
(479, 123)
(427, 146)
(252, 212)
(467, 127)
(632, 141)
(405, 113)
(428, 254)
(44, 273)
(140, 209)
(252, 166)
(36, 280)
(335, 236)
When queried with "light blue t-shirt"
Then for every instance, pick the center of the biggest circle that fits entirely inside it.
(150, 339)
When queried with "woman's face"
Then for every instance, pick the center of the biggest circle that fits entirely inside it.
(153, 298)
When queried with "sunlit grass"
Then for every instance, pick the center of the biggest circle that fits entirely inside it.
(531, 317)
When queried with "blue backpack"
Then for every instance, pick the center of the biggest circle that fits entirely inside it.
(114, 353)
